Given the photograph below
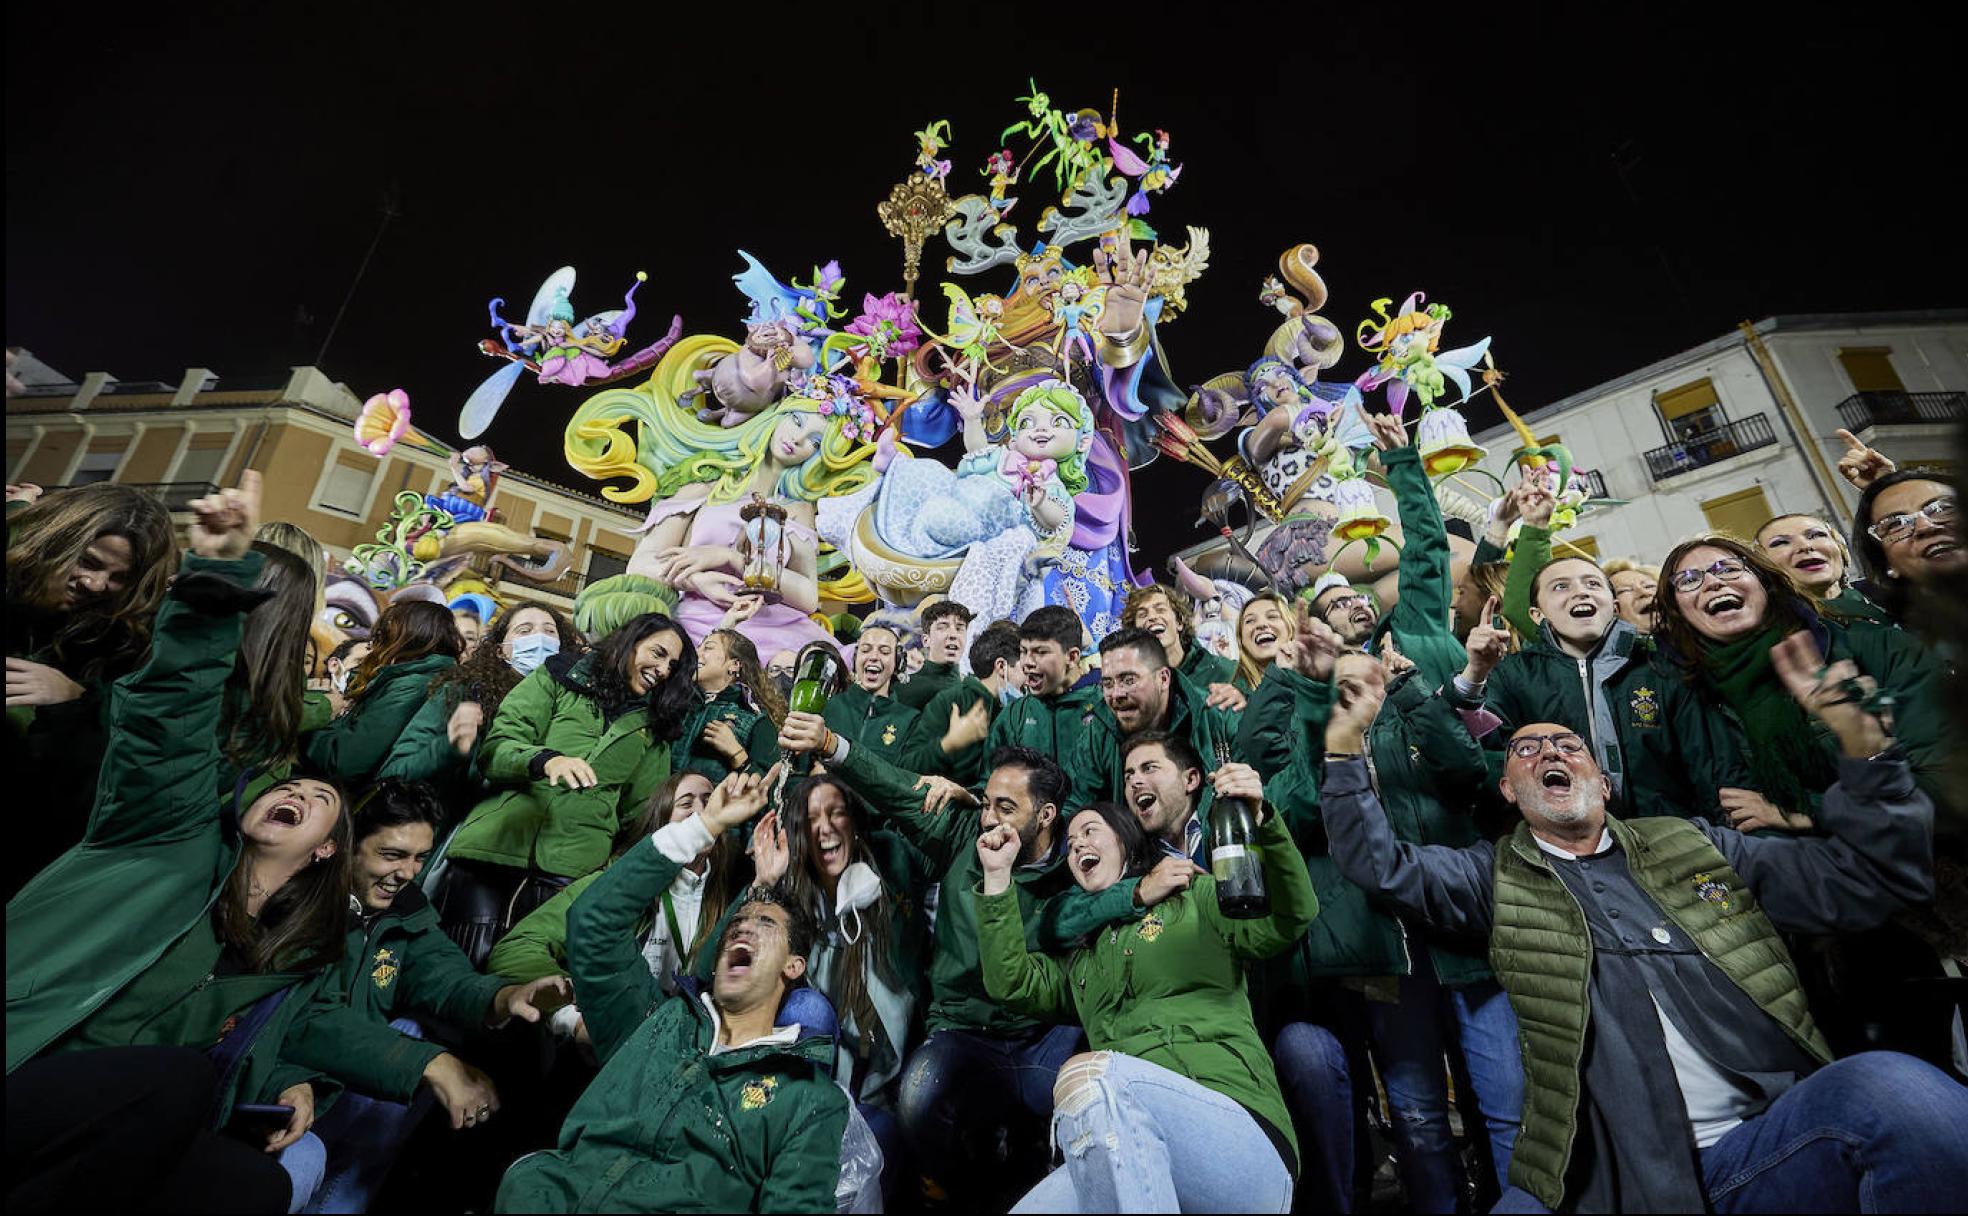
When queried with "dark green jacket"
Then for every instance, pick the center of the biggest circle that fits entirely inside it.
(754, 730)
(355, 745)
(667, 1126)
(1420, 619)
(1427, 771)
(399, 962)
(533, 824)
(1204, 668)
(1096, 768)
(1168, 989)
(865, 720)
(1052, 918)
(423, 752)
(1667, 752)
(925, 683)
(124, 918)
(1051, 726)
(925, 754)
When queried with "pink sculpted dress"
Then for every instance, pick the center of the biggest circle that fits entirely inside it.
(777, 627)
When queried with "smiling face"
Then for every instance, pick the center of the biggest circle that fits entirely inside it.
(1008, 803)
(1047, 668)
(1157, 615)
(1574, 597)
(755, 962)
(795, 439)
(388, 861)
(1558, 783)
(1093, 852)
(945, 639)
(1043, 433)
(470, 629)
(874, 660)
(1347, 613)
(1136, 692)
(1259, 630)
(829, 833)
(293, 821)
(1725, 604)
(654, 658)
(1927, 548)
(1160, 792)
(1633, 595)
(100, 574)
(717, 667)
(1807, 550)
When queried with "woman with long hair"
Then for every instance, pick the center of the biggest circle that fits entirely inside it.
(1907, 532)
(177, 924)
(266, 696)
(863, 887)
(671, 934)
(1814, 558)
(575, 751)
(1177, 1087)
(1265, 625)
(413, 642)
(86, 570)
(735, 726)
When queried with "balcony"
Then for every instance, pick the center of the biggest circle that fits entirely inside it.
(1593, 481)
(1711, 447)
(1895, 408)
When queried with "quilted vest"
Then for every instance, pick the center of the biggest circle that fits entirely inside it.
(1541, 950)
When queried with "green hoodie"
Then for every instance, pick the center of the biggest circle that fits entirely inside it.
(867, 720)
(1168, 989)
(1096, 768)
(924, 752)
(354, 746)
(1051, 726)
(668, 1126)
(755, 732)
(925, 683)
(533, 824)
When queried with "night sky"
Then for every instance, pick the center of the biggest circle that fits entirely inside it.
(197, 185)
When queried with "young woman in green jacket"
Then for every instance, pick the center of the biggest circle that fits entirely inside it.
(735, 724)
(412, 644)
(575, 751)
(1177, 1105)
(181, 921)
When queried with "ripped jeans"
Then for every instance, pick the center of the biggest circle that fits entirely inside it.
(1140, 1138)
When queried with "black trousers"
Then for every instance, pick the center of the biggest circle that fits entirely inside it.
(479, 902)
(124, 1129)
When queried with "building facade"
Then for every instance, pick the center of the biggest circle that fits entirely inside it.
(183, 441)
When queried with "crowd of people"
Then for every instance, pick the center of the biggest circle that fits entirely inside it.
(1573, 886)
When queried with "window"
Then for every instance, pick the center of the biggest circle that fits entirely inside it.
(1692, 409)
(1575, 546)
(201, 466)
(1740, 514)
(95, 467)
(1871, 369)
(347, 489)
(603, 564)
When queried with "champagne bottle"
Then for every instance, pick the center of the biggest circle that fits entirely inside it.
(1237, 860)
(820, 673)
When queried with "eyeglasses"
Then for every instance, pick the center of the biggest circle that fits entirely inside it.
(1728, 570)
(1900, 526)
(1343, 603)
(1529, 747)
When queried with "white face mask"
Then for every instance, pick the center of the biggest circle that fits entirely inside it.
(531, 651)
(859, 887)
(342, 679)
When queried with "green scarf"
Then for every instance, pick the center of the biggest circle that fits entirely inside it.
(1789, 769)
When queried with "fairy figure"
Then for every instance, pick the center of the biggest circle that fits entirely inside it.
(886, 329)
(1003, 172)
(1069, 142)
(474, 477)
(974, 328)
(930, 141)
(1410, 359)
(780, 332)
(1074, 310)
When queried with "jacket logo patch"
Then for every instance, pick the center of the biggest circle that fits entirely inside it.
(384, 972)
(1646, 708)
(1150, 928)
(1711, 890)
(757, 1093)
(888, 735)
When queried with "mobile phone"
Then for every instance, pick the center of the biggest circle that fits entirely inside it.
(255, 1122)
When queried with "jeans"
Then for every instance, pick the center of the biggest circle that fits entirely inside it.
(1875, 1132)
(1319, 1093)
(1140, 1138)
(305, 1161)
(964, 1096)
(1408, 1041)
(363, 1135)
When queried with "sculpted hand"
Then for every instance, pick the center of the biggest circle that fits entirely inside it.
(1128, 278)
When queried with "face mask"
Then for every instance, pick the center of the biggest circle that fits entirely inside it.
(531, 651)
(1009, 692)
(342, 679)
(785, 684)
(859, 888)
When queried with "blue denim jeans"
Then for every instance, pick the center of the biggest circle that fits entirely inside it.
(364, 1136)
(305, 1161)
(1875, 1132)
(963, 1096)
(1408, 1042)
(1141, 1138)
(1319, 1092)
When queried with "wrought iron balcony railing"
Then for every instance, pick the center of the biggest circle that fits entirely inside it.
(1698, 451)
(1897, 408)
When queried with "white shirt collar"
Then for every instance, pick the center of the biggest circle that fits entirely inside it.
(1605, 845)
(784, 1034)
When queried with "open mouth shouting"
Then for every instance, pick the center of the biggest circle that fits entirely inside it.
(873, 672)
(1264, 639)
(1942, 550)
(739, 954)
(1725, 609)
(1583, 609)
(1555, 778)
(287, 813)
(1085, 861)
(832, 850)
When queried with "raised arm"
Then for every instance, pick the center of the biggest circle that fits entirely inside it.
(1427, 587)
(1024, 982)
(1289, 886)
(1288, 712)
(897, 798)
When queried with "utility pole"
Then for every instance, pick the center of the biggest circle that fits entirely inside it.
(390, 212)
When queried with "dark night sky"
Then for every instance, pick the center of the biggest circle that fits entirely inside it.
(189, 185)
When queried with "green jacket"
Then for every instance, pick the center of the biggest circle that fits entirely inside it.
(928, 680)
(423, 752)
(1426, 770)
(1051, 726)
(1667, 752)
(1168, 989)
(536, 947)
(1096, 767)
(924, 751)
(355, 745)
(1421, 618)
(667, 1126)
(123, 919)
(1053, 919)
(535, 825)
(1204, 668)
(756, 731)
(399, 961)
(866, 720)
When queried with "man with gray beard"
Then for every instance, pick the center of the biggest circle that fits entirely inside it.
(1670, 1061)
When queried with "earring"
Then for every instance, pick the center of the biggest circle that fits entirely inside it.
(1892, 573)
